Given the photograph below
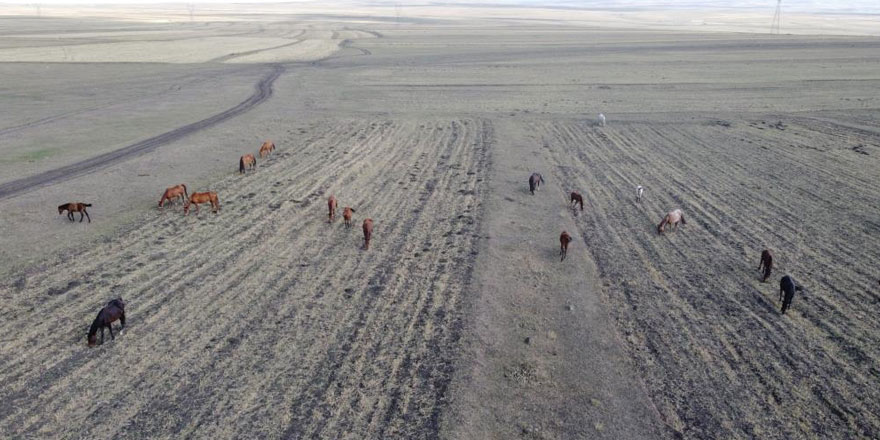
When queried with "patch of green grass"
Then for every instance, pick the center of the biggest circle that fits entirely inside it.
(33, 156)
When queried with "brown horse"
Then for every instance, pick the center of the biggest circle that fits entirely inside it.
(368, 233)
(266, 148)
(75, 207)
(577, 198)
(564, 240)
(672, 218)
(202, 197)
(346, 215)
(114, 310)
(331, 205)
(173, 193)
(535, 180)
(766, 263)
(246, 161)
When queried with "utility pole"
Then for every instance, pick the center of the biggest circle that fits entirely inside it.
(776, 26)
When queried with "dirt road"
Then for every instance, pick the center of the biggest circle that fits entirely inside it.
(262, 92)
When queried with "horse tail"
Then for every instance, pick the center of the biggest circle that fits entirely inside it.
(184, 190)
(88, 205)
(682, 219)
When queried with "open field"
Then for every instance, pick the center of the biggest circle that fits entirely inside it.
(265, 321)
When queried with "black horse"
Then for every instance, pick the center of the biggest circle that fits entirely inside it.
(787, 287)
(535, 180)
(114, 310)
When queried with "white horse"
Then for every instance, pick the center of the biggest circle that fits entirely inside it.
(601, 120)
(639, 191)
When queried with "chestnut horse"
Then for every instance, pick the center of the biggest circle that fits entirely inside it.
(564, 240)
(173, 193)
(246, 161)
(75, 207)
(346, 215)
(266, 148)
(368, 233)
(577, 198)
(535, 180)
(331, 205)
(202, 197)
(766, 263)
(114, 310)
(672, 218)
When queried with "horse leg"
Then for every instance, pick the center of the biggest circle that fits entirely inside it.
(102, 335)
(70, 215)
(87, 216)
(110, 326)
(122, 321)
(81, 216)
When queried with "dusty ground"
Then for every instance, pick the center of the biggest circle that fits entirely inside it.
(460, 322)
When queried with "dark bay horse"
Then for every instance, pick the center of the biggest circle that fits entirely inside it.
(173, 193)
(766, 263)
(266, 148)
(247, 161)
(577, 199)
(368, 232)
(787, 287)
(75, 207)
(202, 197)
(564, 240)
(535, 180)
(114, 310)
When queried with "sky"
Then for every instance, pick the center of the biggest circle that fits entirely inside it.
(820, 6)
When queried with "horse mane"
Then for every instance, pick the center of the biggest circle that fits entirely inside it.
(95, 324)
(184, 190)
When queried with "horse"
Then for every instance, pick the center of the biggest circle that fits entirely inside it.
(639, 191)
(173, 193)
(672, 218)
(368, 232)
(535, 180)
(564, 240)
(266, 148)
(787, 287)
(346, 216)
(766, 263)
(114, 310)
(202, 197)
(75, 207)
(246, 161)
(601, 120)
(331, 206)
(577, 198)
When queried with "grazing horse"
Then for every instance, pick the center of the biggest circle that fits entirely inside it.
(246, 161)
(202, 197)
(601, 120)
(766, 263)
(577, 198)
(114, 310)
(787, 287)
(535, 180)
(173, 193)
(75, 207)
(266, 148)
(564, 240)
(368, 232)
(346, 215)
(331, 206)
(672, 218)
(639, 191)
